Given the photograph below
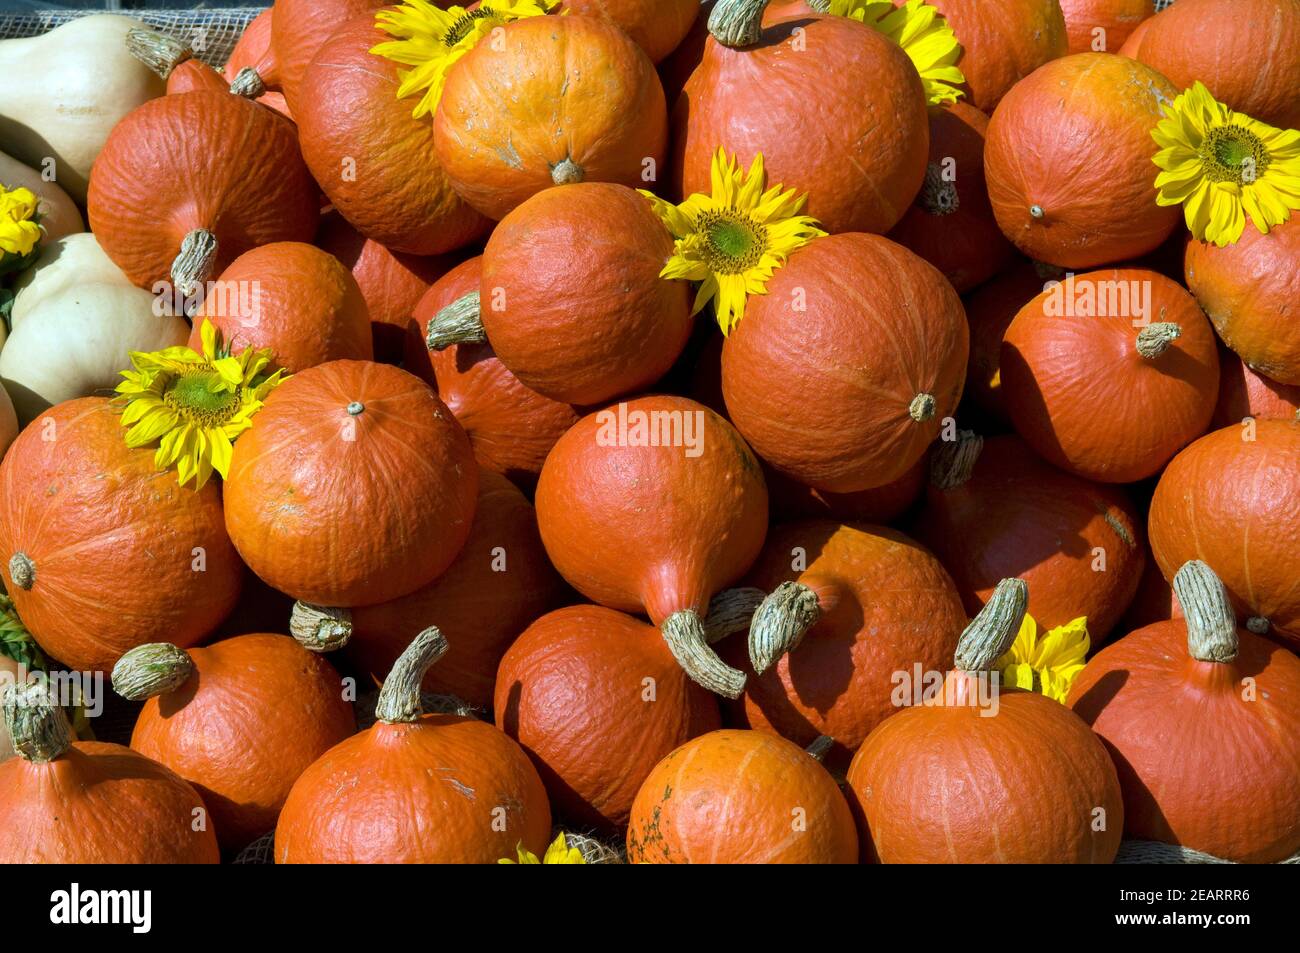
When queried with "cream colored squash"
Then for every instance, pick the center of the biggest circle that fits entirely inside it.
(61, 94)
(59, 214)
(8, 418)
(75, 343)
(72, 260)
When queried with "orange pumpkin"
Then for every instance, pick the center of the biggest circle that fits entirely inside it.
(299, 28)
(495, 130)
(415, 788)
(1155, 600)
(596, 699)
(657, 26)
(1103, 26)
(1229, 499)
(372, 158)
(239, 720)
(958, 780)
(1249, 290)
(1134, 42)
(757, 90)
(880, 504)
(337, 448)
(255, 51)
(1203, 721)
(654, 505)
(841, 375)
(1243, 393)
(1068, 161)
(83, 514)
(781, 806)
(1080, 358)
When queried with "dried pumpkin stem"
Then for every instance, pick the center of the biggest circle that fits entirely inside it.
(922, 408)
(38, 729)
(399, 699)
(684, 632)
(320, 628)
(820, 747)
(22, 571)
(459, 323)
(953, 461)
(780, 623)
(567, 172)
(158, 51)
(990, 634)
(731, 611)
(1154, 339)
(151, 669)
(248, 83)
(194, 266)
(1211, 623)
(737, 23)
(1258, 624)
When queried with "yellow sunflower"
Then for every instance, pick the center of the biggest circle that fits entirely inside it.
(924, 35)
(558, 853)
(431, 40)
(194, 404)
(732, 241)
(1221, 166)
(1046, 665)
(19, 228)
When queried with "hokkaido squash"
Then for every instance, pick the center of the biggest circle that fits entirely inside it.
(293, 298)
(1249, 290)
(255, 51)
(1203, 721)
(299, 28)
(756, 90)
(510, 427)
(71, 260)
(375, 162)
(958, 780)
(1247, 52)
(994, 510)
(1084, 355)
(557, 100)
(240, 720)
(781, 806)
(174, 61)
(188, 183)
(499, 583)
(59, 215)
(1103, 26)
(1068, 161)
(951, 223)
(415, 788)
(84, 514)
(841, 375)
(655, 505)
(597, 700)
(1229, 500)
(657, 26)
(87, 802)
(881, 504)
(1134, 42)
(1155, 600)
(1243, 393)
(855, 604)
(575, 307)
(678, 66)
(341, 446)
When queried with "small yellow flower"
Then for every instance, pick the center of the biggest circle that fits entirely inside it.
(558, 853)
(431, 40)
(194, 404)
(1221, 166)
(1048, 665)
(925, 37)
(732, 241)
(19, 231)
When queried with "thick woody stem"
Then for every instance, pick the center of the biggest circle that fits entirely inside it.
(737, 23)
(38, 729)
(458, 323)
(248, 83)
(567, 172)
(990, 634)
(687, 640)
(196, 262)
(158, 51)
(152, 669)
(780, 623)
(320, 628)
(1154, 339)
(22, 571)
(1211, 623)
(399, 699)
(953, 461)
(731, 611)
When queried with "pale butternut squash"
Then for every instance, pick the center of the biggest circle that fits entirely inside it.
(72, 260)
(59, 214)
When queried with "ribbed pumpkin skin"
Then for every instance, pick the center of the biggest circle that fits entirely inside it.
(257, 712)
(499, 583)
(943, 785)
(204, 159)
(572, 300)
(422, 793)
(861, 170)
(1019, 517)
(766, 784)
(299, 28)
(887, 604)
(820, 373)
(1249, 290)
(373, 159)
(343, 510)
(1075, 140)
(511, 428)
(1246, 51)
(597, 700)
(1243, 393)
(1200, 764)
(293, 298)
(881, 504)
(1116, 19)
(657, 26)
(951, 223)
(114, 542)
(100, 804)
(1234, 503)
(644, 527)
(496, 131)
(1070, 382)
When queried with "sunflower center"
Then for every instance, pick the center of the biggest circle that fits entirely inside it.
(1233, 154)
(460, 29)
(733, 242)
(191, 395)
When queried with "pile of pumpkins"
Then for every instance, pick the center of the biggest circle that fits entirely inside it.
(692, 652)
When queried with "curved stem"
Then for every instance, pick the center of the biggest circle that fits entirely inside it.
(22, 571)
(320, 628)
(399, 699)
(458, 323)
(737, 23)
(1211, 623)
(780, 623)
(953, 461)
(248, 83)
(990, 634)
(686, 638)
(158, 51)
(152, 669)
(1154, 339)
(731, 611)
(38, 729)
(197, 260)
